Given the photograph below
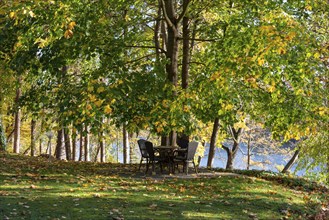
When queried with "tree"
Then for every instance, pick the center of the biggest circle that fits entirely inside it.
(125, 144)
(3, 141)
(259, 140)
(17, 126)
(59, 144)
(33, 137)
(292, 160)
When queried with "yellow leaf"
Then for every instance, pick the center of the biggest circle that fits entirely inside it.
(12, 15)
(159, 129)
(100, 89)
(164, 123)
(165, 103)
(239, 124)
(68, 34)
(127, 18)
(291, 35)
(186, 108)
(90, 88)
(71, 25)
(89, 107)
(281, 50)
(228, 107)
(261, 61)
(99, 103)
(322, 111)
(18, 45)
(308, 7)
(271, 88)
(92, 98)
(299, 92)
(108, 109)
(156, 123)
(316, 55)
(41, 42)
(31, 14)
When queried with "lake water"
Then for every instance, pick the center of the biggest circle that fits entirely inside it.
(270, 162)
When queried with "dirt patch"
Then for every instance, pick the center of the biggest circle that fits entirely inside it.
(203, 173)
(323, 214)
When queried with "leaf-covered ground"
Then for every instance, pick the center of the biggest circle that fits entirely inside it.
(36, 188)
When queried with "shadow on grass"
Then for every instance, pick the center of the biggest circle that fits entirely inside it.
(34, 188)
(139, 207)
(144, 199)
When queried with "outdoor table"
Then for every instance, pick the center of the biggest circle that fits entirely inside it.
(167, 153)
(166, 150)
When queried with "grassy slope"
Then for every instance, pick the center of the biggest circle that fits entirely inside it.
(34, 188)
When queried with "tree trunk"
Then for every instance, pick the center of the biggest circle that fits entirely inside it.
(17, 126)
(186, 55)
(328, 168)
(173, 138)
(248, 155)
(229, 163)
(3, 142)
(33, 138)
(102, 147)
(74, 145)
(186, 51)
(81, 145)
(125, 144)
(164, 140)
(59, 144)
(131, 148)
(97, 153)
(213, 143)
(48, 150)
(86, 144)
(291, 162)
(40, 146)
(157, 33)
(231, 156)
(26, 150)
(172, 46)
(67, 143)
(172, 43)
(231, 153)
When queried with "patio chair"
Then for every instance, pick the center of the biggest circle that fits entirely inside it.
(187, 158)
(183, 144)
(152, 158)
(144, 154)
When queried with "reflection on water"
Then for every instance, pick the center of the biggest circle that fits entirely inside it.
(270, 162)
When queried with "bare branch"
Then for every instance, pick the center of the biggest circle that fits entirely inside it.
(141, 46)
(156, 33)
(168, 20)
(201, 40)
(141, 58)
(185, 7)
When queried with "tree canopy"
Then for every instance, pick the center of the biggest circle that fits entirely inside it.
(168, 66)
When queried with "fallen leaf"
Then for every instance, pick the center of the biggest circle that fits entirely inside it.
(97, 195)
(153, 206)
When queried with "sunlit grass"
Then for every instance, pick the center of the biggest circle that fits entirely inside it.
(106, 191)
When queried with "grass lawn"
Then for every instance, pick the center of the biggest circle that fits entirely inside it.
(35, 188)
